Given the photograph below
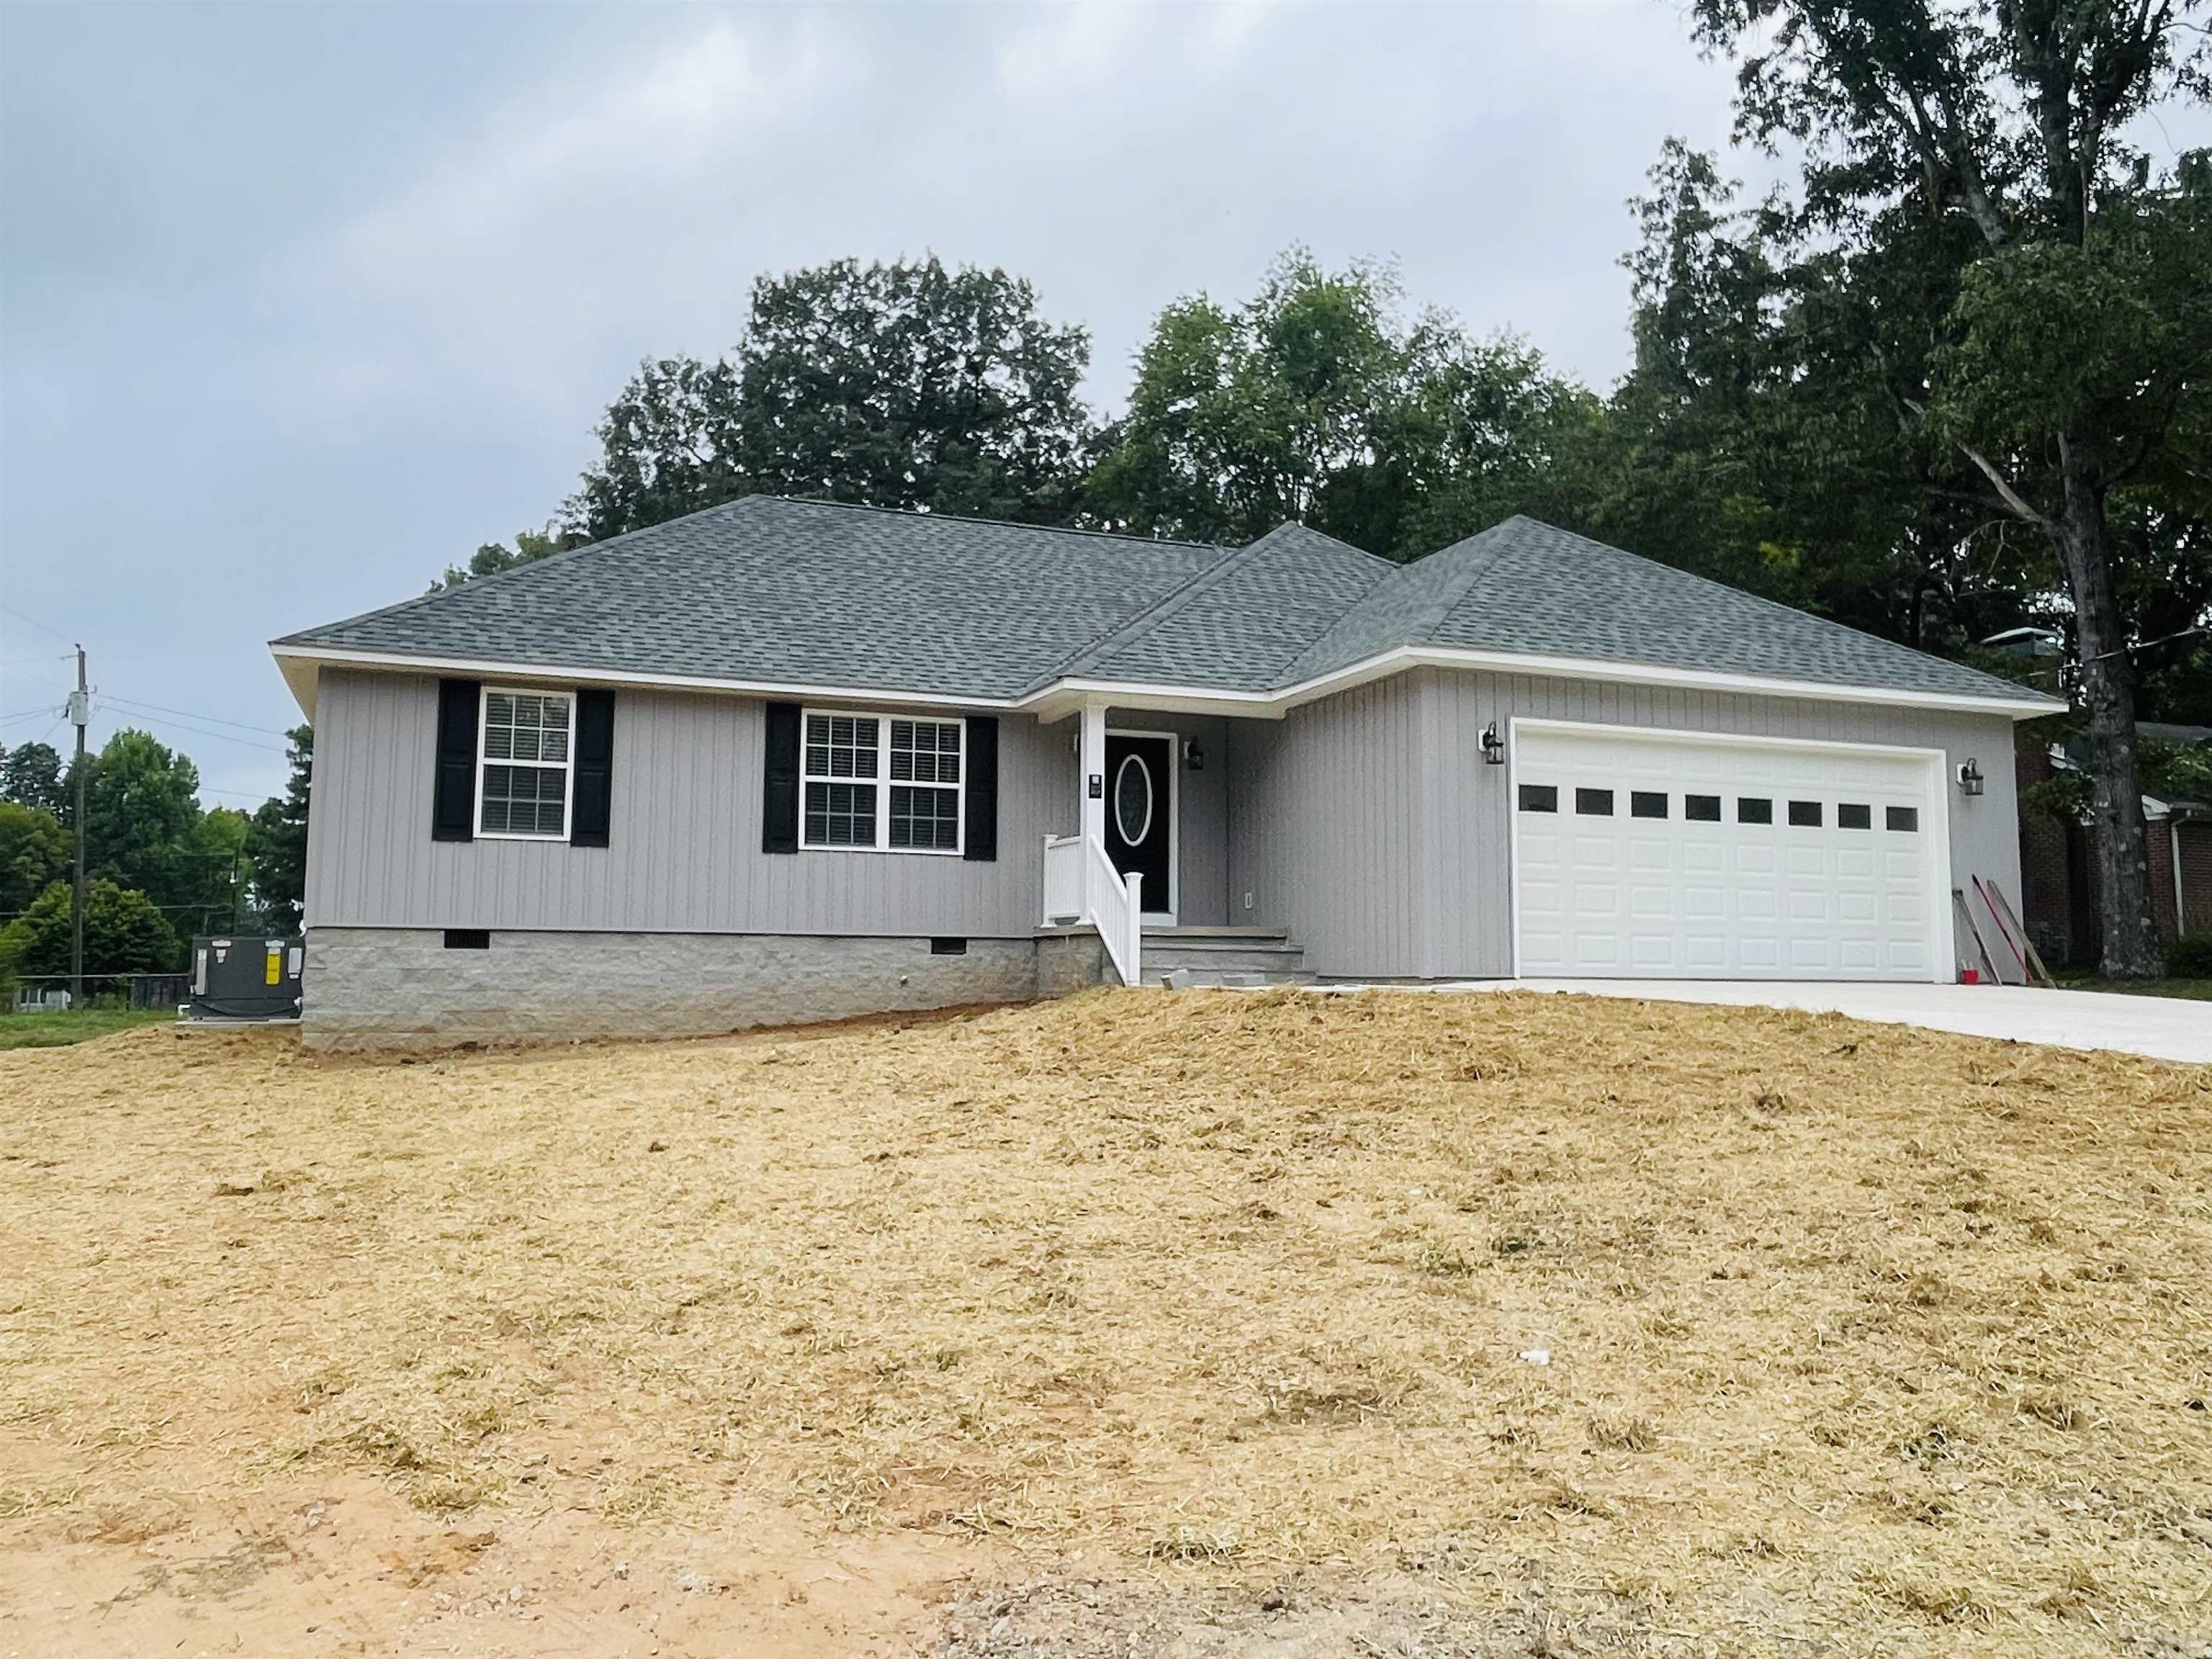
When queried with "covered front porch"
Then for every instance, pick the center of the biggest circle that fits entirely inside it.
(1153, 861)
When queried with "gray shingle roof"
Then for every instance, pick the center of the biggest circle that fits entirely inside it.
(1528, 588)
(804, 593)
(811, 593)
(1243, 624)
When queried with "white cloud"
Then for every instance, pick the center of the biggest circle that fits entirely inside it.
(537, 227)
(1060, 50)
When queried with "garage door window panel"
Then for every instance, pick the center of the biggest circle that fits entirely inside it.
(1702, 809)
(1539, 798)
(1754, 809)
(1594, 803)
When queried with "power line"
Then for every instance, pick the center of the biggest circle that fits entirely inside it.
(36, 624)
(186, 714)
(202, 731)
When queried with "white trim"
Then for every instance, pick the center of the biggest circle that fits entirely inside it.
(1049, 702)
(1174, 740)
(883, 783)
(1945, 967)
(2174, 845)
(1063, 696)
(299, 664)
(485, 693)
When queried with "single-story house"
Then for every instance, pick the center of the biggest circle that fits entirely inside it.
(788, 760)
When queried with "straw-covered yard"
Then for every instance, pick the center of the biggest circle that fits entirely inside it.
(1525, 1324)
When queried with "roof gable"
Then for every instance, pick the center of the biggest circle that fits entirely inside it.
(1243, 624)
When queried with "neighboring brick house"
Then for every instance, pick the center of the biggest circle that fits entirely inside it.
(2057, 885)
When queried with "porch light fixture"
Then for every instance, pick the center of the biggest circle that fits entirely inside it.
(1969, 777)
(1493, 746)
(1193, 755)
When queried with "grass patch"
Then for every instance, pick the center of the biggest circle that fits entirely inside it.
(59, 1029)
(2197, 989)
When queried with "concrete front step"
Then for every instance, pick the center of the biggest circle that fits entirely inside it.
(1224, 955)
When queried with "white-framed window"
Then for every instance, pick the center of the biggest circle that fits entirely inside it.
(524, 769)
(887, 783)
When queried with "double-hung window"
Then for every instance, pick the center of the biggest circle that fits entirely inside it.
(523, 768)
(881, 782)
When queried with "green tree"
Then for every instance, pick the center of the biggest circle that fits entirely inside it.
(2055, 375)
(141, 817)
(910, 384)
(124, 934)
(1316, 401)
(668, 446)
(277, 843)
(905, 385)
(1762, 435)
(34, 852)
(491, 558)
(31, 775)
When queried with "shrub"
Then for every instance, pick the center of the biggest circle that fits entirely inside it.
(2190, 957)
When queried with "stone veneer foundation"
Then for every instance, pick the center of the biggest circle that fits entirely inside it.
(402, 988)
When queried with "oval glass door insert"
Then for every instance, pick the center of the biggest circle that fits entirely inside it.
(1132, 800)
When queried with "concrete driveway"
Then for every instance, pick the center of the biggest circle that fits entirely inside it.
(2164, 1028)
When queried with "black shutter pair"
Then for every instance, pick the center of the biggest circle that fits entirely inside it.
(453, 797)
(779, 784)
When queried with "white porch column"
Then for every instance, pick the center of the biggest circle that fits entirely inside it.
(1091, 772)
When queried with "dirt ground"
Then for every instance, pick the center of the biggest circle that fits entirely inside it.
(1165, 1323)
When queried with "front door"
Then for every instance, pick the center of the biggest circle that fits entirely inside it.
(1140, 782)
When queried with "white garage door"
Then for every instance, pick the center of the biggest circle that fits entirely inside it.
(1641, 854)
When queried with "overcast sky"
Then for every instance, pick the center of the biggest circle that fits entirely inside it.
(299, 304)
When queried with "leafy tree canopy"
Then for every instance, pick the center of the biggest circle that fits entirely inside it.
(1316, 400)
(31, 775)
(34, 852)
(124, 934)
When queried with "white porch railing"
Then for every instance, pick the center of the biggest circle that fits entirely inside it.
(1082, 885)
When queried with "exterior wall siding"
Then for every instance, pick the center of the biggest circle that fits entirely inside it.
(1369, 824)
(685, 853)
(1328, 830)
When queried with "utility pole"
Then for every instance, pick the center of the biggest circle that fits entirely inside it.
(80, 713)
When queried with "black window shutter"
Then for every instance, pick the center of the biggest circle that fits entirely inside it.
(453, 795)
(982, 838)
(595, 768)
(780, 790)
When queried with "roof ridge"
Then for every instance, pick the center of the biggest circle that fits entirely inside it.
(972, 518)
(1478, 566)
(477, 584)
(1155, 613)
(1304, 666)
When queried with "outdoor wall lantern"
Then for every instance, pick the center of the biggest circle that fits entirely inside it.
(1193, 755)
(1969, 777)
(1493, 746)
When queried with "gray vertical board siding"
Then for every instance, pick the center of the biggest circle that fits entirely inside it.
(1324, 831)
(685, 833)
(1369, 825)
